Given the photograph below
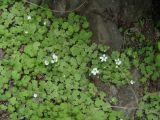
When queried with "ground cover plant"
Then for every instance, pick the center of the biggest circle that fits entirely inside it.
(46, 64)
(145, 57)
(149, 107)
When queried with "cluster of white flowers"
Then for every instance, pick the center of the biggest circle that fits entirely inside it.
(103, 58)
(118, 62)
(95, 71)
(35, 95)
(132, 82)
(29, 18)
(54, 59)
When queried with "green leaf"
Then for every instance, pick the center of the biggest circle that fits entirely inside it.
(100, 115)
(28, 62)
(31, 28)
(2, 30)
(139, 113)
(158, 45)
(13, 101)
(65, 25)
(3, 107)
(32, 49)
(16, 75)
(85, 25)
(11, 108)
(155, 75)
(99, 103)
(157, 60)
(18, 66)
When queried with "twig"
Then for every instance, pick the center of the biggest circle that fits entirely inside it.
(135, 96)
(57, 11)
(126, 108)
(158, 114)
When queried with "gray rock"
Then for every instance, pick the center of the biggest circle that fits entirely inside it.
(104, 16)
(132, 10)
(126, 10)
(127, 99)
(136, 74)
(59, 5)
(106, 32)
(73, 4)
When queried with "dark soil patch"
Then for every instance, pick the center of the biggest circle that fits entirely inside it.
(21, 49)
(40, 77)
(128, 96)
(154, 86)
(4, 115)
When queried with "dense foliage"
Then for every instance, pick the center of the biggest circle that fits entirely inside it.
(46, 64)
(43, 71)
(143, 55)
(149, 108)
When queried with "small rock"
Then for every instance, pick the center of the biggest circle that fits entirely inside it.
(136, 74)
(21, 49)
(40, 77)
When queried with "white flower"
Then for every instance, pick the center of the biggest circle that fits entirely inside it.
(103, 58)
(29, 17)
(132, 82)
(116, 66)
(46, 62)
(35, 95)
(94, 71)
(118, 61)
(26, 32)
(54, 57)
(52, 61)
(64, 76)
(45, 23)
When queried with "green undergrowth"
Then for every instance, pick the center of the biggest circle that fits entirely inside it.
(144, 56)
(43, 74)
(47, 62)
(149, 108)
